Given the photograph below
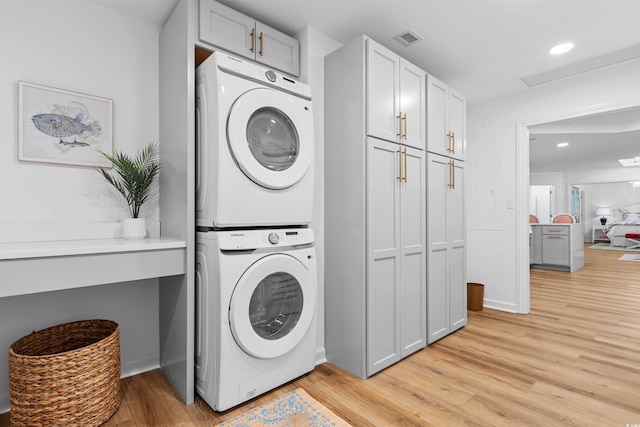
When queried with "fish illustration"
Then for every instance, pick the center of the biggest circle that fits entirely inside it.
(60, 126)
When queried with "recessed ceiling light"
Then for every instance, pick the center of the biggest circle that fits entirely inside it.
(562, 144)
(630, 162)
(561, 48)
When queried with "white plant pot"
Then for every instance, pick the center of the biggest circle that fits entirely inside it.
(134, 228)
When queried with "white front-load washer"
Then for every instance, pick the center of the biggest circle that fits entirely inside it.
(254, 146)
(256, 312)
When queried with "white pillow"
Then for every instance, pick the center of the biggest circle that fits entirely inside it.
(630, 218)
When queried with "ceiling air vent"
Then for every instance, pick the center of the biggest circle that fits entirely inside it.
(408, 37)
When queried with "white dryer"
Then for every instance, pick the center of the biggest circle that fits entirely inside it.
(256, 312)
(255, 146)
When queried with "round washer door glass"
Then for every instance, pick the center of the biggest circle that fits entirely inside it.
(270, 135)
(272, 306)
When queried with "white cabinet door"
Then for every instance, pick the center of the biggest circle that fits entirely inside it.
(457, 114)
(413, 296)
(446, 253)
(437, 260)
(555, 250)
(412, 105)
(226, 28)
(456, 238)
(277, 49)
(383, 228)
(242, 35)
(437, 129)
(446, 120)
(383, 92)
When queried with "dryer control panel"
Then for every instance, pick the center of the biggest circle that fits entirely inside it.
(257, 73)
(255, 239)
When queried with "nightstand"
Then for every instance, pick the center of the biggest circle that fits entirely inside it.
(598, 234)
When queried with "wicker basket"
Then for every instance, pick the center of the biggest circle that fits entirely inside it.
(66, 375)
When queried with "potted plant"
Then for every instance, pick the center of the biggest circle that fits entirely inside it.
(132, 177)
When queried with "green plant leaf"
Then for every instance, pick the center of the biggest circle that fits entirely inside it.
(133, 176)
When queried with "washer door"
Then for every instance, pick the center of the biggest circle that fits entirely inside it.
(270, 135)
(272, 306)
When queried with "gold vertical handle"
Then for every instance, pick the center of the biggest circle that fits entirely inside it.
(452, 175)
(404, 118)
(453, 142)
(399, 117)
(449, 149)
(400, 164)
(253, 40)
(405, 163)
(260, 43)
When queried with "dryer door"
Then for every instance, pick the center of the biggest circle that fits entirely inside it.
(270, 135)
(272, 306)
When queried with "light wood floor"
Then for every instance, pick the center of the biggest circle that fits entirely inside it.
(574, 361)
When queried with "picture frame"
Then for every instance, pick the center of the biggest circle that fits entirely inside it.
(63, 127)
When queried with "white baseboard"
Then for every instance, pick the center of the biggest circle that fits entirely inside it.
(500, 305)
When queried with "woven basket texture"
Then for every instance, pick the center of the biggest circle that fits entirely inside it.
(66, 375)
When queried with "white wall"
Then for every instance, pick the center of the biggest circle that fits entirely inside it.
(494, 236)
(314, 47)
(79, 46)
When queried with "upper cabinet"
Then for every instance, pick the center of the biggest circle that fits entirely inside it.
(446, 118)
(242, 35)
(395, 97)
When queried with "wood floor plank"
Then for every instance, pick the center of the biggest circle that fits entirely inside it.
(573, 361)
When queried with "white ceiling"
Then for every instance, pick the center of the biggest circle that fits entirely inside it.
(595, 142)
(483, 48)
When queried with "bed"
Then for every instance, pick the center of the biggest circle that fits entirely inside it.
(628, 224)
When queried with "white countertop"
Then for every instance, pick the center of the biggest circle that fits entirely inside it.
(85, 247)
(32, 267)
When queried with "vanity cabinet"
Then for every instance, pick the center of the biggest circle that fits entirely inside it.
(446, 120)
(234, 32)
(375, 216)
(446, 247)
(395, 97)
(557, 246)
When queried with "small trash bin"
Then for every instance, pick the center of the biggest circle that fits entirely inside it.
(475, 296)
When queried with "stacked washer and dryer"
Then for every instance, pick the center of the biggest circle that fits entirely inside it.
(255, 255)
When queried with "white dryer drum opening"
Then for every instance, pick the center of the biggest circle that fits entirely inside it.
(272, 306)
(270, 136)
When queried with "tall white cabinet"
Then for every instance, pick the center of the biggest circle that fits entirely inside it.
(446, 237)
(395, 97)
(446, 119)
(375, 209)
(446, 210)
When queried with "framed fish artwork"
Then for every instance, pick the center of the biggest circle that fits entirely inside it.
(63, 127)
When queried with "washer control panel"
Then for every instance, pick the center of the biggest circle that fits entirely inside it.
(255, 239)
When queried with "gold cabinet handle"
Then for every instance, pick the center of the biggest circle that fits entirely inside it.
(399, 117)
(404, 118)
(451, 143)
(260, 43)
(405, 161)
(452, 175)
(253, 40)
(400, 164)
